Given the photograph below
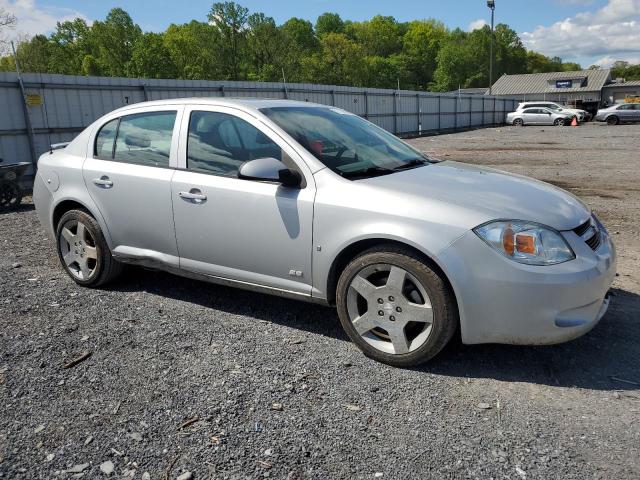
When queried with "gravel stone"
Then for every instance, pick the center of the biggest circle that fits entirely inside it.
(107, 467)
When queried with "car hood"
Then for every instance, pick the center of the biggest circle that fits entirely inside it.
(488, 194)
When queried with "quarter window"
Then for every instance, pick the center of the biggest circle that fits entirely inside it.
(219, 143)
(104, 140)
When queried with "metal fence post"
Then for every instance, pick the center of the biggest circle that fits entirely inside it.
(439, 113)
(333, 98)
(395, 113)
(222, 90)
(418, 113)
(366, 104)
(145, 92)
(27, 114)
(455, 114)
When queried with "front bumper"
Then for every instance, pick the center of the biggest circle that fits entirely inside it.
(502, 301)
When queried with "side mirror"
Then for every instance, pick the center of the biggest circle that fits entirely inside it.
(270, 170)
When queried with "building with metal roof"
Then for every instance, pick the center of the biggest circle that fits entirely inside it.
(582, 87)
(587, 89)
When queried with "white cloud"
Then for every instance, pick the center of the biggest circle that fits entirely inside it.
(613, 31)
(476, 24)
(34, 19)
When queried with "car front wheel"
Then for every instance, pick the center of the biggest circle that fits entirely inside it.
(396, 308)
(612, 120)
(559, 122)
(83, 251)
(518, 122)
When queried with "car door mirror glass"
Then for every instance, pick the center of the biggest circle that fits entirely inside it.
(269, 170)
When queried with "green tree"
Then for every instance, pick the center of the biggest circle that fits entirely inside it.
(300, 34)
(151, 58)
(71, 42)
(194, 50)
(421, 44)
(339, 62)
(230, 19)
(329, 23)
(34, 54)
(266, 48)
(379, 36)
(114, 40)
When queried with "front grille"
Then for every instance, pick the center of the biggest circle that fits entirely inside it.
(590, 233)
(582, 228)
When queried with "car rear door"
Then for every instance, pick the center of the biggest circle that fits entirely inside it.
(129, 178)
(248, 231)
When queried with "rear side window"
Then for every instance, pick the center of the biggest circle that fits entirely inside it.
(142, 139)
(104, 140)
(219, 143)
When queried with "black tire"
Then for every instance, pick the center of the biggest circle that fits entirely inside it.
(444, 308)
(518, 122)
(559, 121)
(613, 120)
(10, 195)
(106, 267)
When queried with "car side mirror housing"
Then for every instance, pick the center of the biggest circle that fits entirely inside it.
(270, 170)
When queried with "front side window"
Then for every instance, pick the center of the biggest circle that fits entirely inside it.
(346, 143)
(219, 143)
(625, 107)
(145, 138)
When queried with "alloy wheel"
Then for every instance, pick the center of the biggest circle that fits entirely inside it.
(389, 308)
(78, 249)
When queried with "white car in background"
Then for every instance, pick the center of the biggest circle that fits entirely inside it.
(581, 115)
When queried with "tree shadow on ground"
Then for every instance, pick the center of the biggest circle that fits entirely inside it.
(607, 358)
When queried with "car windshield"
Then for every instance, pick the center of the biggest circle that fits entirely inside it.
(346, 143)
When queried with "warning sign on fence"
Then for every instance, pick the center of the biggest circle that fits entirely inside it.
(34, 100)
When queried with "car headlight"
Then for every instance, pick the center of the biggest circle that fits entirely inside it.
(526, 242)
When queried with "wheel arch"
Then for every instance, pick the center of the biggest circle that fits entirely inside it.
(354, 249)
(66, 204)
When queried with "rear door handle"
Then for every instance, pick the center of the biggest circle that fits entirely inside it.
(103, 182)
(194, 196)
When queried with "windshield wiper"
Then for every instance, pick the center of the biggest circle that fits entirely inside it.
(367, 172)
(416, 162)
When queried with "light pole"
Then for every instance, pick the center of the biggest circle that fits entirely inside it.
(492, 5)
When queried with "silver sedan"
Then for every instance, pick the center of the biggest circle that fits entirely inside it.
(538, 116)
(314, 203)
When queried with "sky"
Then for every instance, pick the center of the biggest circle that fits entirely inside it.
(586, 31)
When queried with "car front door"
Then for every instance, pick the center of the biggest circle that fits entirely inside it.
(128, 176)
(626, 112)
(253, 232)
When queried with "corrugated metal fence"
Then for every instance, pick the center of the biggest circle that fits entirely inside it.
(61, 106)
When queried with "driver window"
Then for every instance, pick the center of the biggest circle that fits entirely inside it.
(219, 143)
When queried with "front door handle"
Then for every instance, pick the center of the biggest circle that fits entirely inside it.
(194, 196)
(103, 182)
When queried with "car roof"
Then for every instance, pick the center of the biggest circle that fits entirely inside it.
(247, 104)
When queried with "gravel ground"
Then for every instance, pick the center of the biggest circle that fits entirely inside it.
(189, 377)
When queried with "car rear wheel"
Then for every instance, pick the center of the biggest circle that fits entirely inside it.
(613, 120)
(518, 122)
(83, 251)
(395, 308)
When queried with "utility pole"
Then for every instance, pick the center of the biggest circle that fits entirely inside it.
(492, 5)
